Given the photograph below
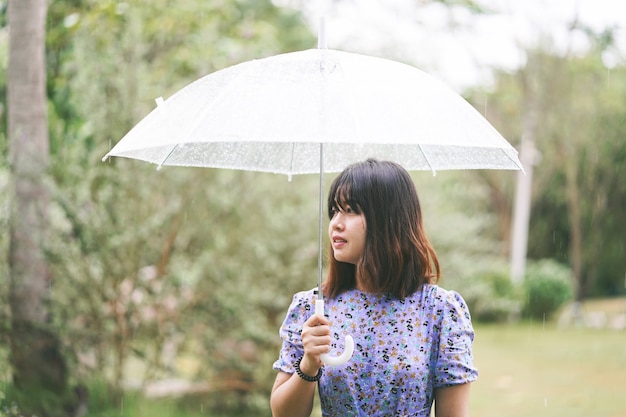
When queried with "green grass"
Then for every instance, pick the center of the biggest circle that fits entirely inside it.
(541, 370)
(133, 404)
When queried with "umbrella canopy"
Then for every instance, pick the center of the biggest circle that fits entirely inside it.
(272, 114)
(317, 111)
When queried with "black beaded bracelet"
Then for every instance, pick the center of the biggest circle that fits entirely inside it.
(306, 377)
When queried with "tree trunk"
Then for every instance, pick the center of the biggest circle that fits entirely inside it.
(39, 370)
(575, 219)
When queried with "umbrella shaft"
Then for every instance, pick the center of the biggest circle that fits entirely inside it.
(321, 225)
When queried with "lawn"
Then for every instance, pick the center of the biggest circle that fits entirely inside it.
(541, 370)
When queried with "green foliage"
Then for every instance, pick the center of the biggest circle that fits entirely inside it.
(465, 235)
(586, 179)
(196, 271)
(154, 49)
(547, 285)
(8, 408)
(578, 188)
(4, 272)
(154, 266)
(38, 400)
(492, 297)
(604, 215)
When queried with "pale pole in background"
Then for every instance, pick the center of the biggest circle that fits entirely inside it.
(523, 193)
(521, 214)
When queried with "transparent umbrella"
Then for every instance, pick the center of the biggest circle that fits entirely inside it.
(272, 114)
(316, 111)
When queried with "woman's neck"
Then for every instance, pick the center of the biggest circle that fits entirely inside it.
(363, 281)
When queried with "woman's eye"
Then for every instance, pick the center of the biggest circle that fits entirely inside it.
(342, 209)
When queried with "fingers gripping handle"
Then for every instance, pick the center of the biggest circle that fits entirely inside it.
(349, 343)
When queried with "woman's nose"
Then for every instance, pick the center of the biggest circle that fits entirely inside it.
(336, 223)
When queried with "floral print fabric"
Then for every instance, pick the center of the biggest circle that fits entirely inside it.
(404, 349)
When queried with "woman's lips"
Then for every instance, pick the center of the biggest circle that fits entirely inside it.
(338, 241)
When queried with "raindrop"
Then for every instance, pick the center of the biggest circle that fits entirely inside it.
(485, 107)
(289, 177)
(545, 401)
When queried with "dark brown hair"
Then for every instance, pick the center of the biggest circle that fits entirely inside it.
(398, 258)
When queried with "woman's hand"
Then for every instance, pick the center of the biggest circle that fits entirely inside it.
(316, 340)
(292, 396)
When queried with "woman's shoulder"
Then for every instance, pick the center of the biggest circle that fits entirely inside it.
(432, 292)
(303, 301)
(436, 296)
(307, 296)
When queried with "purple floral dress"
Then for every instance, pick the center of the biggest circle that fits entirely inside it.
(404, 349)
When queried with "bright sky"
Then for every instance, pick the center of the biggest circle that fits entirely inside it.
(419, 32)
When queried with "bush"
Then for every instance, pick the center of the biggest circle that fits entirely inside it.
(492, 297)
(9, 408)
(547, 284)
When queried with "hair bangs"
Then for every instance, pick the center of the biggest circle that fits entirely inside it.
(341, 196)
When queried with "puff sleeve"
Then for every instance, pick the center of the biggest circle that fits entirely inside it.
(455, 363)
(291, 331)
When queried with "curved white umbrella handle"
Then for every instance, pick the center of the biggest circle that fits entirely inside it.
(349, 343)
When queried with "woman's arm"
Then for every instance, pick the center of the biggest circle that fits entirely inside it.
(452, 401)
(291, 395)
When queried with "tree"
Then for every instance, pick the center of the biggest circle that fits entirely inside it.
(578, 188)
(137, 257)
(39, 369)
(582, 140)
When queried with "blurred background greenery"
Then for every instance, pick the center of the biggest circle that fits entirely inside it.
(174, 283)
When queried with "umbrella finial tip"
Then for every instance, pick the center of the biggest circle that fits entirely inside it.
(321, 35)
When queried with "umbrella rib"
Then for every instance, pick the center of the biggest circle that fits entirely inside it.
(167, 156)
(426, 159)
(518, 164)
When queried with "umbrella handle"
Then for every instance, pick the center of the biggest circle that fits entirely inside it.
(349, 343)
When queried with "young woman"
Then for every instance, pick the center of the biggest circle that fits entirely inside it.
(413, 339)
